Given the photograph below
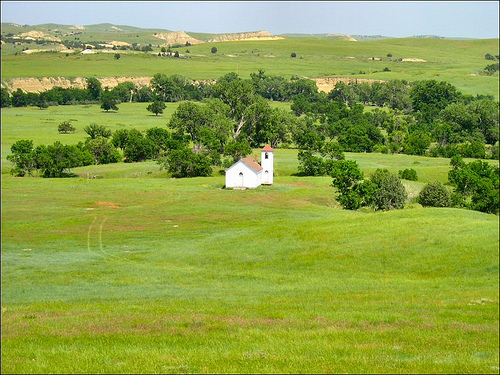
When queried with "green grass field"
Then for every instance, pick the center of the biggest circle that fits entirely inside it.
(135, 272)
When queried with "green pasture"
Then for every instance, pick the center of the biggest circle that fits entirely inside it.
(136, 272)
(459, 62)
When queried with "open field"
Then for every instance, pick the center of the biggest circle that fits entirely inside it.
(459, 62)
(134, 272)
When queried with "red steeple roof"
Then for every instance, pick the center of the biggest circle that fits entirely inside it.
(268, 148)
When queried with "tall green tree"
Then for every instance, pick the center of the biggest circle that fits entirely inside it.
(103, 151)
(156, 107)
(23, 158)
(93, 87)
(108, 100)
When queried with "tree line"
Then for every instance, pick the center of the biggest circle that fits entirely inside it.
(427, 117)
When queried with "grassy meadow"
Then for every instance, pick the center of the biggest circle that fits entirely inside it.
(135, 272)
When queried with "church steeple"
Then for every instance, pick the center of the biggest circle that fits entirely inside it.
(266, 161)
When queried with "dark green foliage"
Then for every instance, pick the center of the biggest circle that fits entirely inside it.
(120, 138)
(103, 151)
(431, 96)
(19, 98)
(237, 150)
(161, 140)
(416, 143)
(434, 194)
(317, 156)
(57, 160)
(138, 147)
(476, 185)
(23, 158)
(6, 99)
(94, 88)
(390, 193)
(95, 131)
(213, 50)
(383, 191)
(186, 163)
(108, 100)
(156, 107)
(347, 177)
(124, 91)
(491, 69)
(408, 174)
(65, 127)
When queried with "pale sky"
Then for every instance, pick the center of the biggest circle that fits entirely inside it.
(467, 19)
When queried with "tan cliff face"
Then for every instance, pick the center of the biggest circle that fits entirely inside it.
(256, 35)
(178, 37)
(33, 84)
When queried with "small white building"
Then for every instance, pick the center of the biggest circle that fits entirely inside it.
(248, 173)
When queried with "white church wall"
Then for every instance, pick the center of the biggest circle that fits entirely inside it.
(240, 175)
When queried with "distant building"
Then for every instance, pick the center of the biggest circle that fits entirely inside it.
(248, 173)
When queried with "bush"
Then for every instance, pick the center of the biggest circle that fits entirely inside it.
(434, 194)
(65, 127)
(293, 55)
(408, 174)
(390, 193)
(214, 50)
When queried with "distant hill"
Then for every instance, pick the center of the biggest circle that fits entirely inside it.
(107, 33)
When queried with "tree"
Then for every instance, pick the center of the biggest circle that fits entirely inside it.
(94, 88)
(476, 185)
(416, 143)
(186, 163)
(293, 55)
(138, 148)
(95, 131)
(434, 194)
(347, 178)
(237, 149)
(65, 127)
(103, 151)
(108, 100)
(390, 192)
(56, 160)
(214, 50)
(408, 174)
(6, 99)
(491, 69)
(117, 56)
(19, 98)
(22, 157)
(189, 118)
(124, 91)
(156, 107)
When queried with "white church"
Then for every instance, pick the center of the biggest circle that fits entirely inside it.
(248, 173)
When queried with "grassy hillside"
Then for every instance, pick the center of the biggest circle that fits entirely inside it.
(147, 274)
(139, 273)
(460, 62)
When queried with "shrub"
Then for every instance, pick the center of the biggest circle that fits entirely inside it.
(408, 174)
(214, 50)
(65, 127)
(390, 193)
(434, 194)
(293, 55)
